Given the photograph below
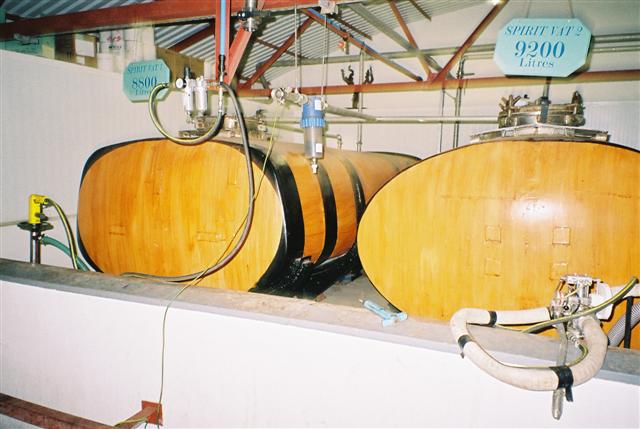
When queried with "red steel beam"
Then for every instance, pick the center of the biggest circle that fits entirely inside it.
(194, 38)
(238, 47)
(419, 9)
(287, 43)
(480, 82)
(356, 42)
(351, 27)
(157, 12)
(275, 48)
(442, 74)
(408, 35)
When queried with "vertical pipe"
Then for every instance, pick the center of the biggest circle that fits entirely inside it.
(35, 246)
(360, 100)
(441, 115)
(458, 103)
(223, 26)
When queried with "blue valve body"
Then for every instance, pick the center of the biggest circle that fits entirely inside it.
(312, 113)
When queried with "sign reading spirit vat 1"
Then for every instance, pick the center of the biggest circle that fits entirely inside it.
(542, 47)
(140, 77)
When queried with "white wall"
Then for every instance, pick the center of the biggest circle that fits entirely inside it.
(53, 116)
(231, 371)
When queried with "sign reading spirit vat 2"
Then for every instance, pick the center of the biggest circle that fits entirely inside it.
(542, 47)
(141, 77)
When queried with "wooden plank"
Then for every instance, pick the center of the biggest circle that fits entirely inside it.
(44, 417)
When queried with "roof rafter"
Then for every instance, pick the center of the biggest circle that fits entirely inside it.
(390, 32)
(157, 12)
(238, 48)
(275, 48)
(442, 74)
(417, 7)
(409, 36)
(331, 25)
(351, 27)
(196, 37)
(285, 45)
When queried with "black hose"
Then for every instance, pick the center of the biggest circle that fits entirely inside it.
(212, 132)
(248, 219)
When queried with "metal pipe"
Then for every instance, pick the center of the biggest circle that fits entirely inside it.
(348, 113)
(458, 103)
(441, 123)
(337, 137)
(479, 82)
(286, 95)
(405, 120)
(475, 51)
(360, 101)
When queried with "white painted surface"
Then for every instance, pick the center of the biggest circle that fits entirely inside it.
(54, 115)
(97, 358)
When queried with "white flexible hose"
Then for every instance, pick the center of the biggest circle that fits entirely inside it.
(616, 333)
(539, 379)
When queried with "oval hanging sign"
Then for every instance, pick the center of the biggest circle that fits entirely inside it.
(140, 77)
(542, 47)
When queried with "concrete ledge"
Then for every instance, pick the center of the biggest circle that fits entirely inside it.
(620, 365)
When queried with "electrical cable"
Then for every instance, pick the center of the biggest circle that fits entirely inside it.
(201, 275)
(65, 222)
(46, 240)
(249, 218)
(213, 131)
(627, 287)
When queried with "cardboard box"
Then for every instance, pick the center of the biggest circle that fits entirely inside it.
(177, 62)
(77, 48)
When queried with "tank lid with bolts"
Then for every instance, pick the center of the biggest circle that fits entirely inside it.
(541, 120)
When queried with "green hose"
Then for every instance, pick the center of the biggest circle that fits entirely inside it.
(46, 240)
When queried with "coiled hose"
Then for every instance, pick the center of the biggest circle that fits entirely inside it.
(212, 132)
(224, 260)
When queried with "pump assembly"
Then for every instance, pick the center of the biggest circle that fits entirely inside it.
(578, 302)
(312, 121)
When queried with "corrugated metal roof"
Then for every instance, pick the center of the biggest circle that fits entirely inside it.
(275, 30)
